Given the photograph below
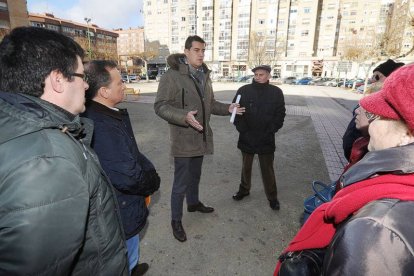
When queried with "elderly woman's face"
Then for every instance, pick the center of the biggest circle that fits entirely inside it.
(386, 133)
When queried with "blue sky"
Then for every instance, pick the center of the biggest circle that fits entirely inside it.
(108, 14)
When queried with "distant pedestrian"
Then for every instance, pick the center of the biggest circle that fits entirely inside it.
(131, 173)
(264, 116)
(59, 215)
(186, 101)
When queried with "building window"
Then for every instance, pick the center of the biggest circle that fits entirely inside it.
(183, 18)
(37, 24)
(306, 10)
(53, 27)
(261, 21)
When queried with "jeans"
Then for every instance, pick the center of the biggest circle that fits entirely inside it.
(133, 251)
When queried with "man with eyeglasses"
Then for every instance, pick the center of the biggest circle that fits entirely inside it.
(58, 212)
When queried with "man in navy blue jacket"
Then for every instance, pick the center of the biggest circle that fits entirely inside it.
(131, 173)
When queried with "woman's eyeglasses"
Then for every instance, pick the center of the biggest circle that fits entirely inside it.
(371, 116)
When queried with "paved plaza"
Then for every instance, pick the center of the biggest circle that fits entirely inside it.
(240, 238)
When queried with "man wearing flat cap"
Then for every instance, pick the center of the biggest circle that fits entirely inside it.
(264, 116)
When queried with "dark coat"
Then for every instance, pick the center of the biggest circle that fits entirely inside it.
(264, 116)
(177, 95)
(350, 135)
(58, 213)
(125, 165)
(377, 240)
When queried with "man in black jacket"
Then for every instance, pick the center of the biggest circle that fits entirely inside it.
(131, 173)
(264, 116)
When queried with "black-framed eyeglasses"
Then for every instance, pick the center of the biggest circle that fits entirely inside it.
(82, 76)
(371, 116)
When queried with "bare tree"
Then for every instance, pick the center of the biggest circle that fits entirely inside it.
(100, 49)
(263, 50)
(142, 59)
(402, 54)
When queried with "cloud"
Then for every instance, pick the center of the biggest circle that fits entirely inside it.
(107, 14)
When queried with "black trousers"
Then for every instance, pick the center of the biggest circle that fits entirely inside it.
(268, 174)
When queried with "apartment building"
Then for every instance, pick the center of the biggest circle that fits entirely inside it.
(99, 43)
(297, 37)
(130, 41)
(13, 13)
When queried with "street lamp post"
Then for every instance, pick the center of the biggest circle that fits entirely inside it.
(87, 20)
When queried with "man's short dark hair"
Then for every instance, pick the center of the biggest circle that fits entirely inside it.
(29, 54)
(190, 39)
(98, 75)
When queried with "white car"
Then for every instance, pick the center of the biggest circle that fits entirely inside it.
(332, 83)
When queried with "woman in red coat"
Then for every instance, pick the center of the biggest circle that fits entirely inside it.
(368, 227)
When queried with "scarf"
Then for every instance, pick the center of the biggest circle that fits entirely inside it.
(320, 228)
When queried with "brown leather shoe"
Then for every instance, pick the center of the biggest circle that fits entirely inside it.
(240, 195)
(200, 207)
(140, 269)
(178, 230)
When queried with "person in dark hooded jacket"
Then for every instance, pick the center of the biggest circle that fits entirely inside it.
(58, 213)
(264, 116)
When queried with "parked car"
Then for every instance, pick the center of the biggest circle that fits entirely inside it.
(319, 81)
(276, 81)
(160, 73)
(349, 83)
(132, 77)
(341, 82)
(289, 80)
(332, 82)
(304, 81)
(125, 78)
(247, 78)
